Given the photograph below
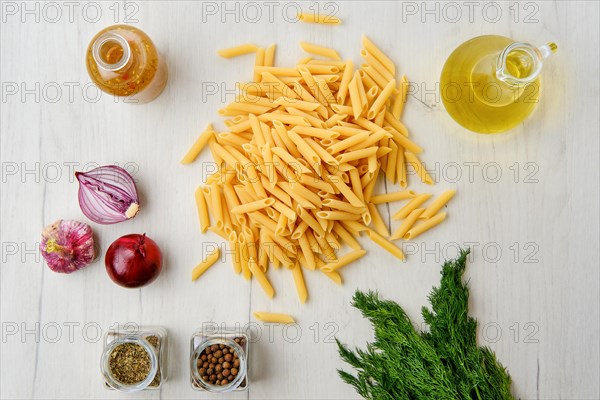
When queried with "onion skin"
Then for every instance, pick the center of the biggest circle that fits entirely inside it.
(133, 261)
(67, 246)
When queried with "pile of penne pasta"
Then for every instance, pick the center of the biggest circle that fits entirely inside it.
(299, 160)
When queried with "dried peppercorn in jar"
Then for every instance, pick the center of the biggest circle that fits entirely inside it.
(134, 360)
(219, 361)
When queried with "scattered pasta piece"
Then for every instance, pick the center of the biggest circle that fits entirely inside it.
(320, 51)
(237, 51)
(424, 226)
(198, 145)
(208, 261)
(319, 19)
(274, 317)
(438, 204)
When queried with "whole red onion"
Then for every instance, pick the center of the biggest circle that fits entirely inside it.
(133, 260)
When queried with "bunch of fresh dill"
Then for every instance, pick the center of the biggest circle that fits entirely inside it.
(443, 363)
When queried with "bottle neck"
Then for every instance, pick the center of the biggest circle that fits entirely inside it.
(520, 64)
(111, 52)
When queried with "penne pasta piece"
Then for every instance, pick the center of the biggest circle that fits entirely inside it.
(299, 104)
(300, 284)
(385, 244)
(371, 140)
(309, 257)
(338, 215)
(259, 61)
(263, 259)
(418, 167)
(346, 77)
(363, 95)
(343, 206)
(401, 169)
(375, 63)
(378, 223)
(261, 278)
(297, 197)
(343, 260)
(345, 190)
(320, 50)
(285, 210)
(281, 225)
(368, 82)
(346, 236)
(411, 206)
(253, 206)
(375, 76)
(398, 126)
(335, 118)
(390, 168)
(273, 317)
(334, 276)
(356, 154)
(202, 209)
(394, 196)
(309, 220)
(372, 95)
(437, 204)
(424, 226)
(311, 156)
(383, 97)
(400, 100)
(319, 19)
(311, 118)
(297, 234)
(355, 98)
(236, 253)
(198, 145)
(316, 132)
(323, 155)
(284, 118)
(217, 207)
(406, 224)
(205, 264)
(379, 55)
(380, 117)
(237, 51)
(348, 142)
(329, 73)
(269, 59)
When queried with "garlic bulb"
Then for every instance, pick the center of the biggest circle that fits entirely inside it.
(67, 245)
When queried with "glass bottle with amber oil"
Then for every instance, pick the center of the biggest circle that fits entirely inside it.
(123, 61)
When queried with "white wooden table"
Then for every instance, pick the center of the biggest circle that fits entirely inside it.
(527, 200)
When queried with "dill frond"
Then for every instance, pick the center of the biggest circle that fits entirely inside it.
(442, 363)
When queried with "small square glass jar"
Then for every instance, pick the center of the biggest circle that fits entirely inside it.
(201, 340)
(153, 340)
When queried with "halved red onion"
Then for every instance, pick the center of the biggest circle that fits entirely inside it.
(107, 194)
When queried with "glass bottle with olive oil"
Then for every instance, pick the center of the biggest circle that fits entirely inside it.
(123, 61)
(490, 84)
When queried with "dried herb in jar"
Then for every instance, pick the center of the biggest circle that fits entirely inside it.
(153, 340)
(129, 363)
